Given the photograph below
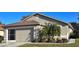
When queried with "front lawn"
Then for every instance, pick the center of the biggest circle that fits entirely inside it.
(76, 44)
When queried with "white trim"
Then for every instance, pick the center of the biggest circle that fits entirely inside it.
(11, 40)
(6, 35)
(34, 32)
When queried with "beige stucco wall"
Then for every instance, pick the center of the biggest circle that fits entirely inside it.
(65, 30)
(43, 20)
(1, 33)
(40, 20)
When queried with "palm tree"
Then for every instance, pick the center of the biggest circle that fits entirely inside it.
(46, 31)
(50, 30)
(56, 30)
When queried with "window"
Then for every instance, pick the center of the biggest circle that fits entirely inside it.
(11, 34)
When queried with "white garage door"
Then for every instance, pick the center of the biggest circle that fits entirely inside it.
(23, 35)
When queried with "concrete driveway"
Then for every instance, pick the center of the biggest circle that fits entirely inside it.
(11, 44)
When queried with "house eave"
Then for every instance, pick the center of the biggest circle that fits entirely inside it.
(21, 25)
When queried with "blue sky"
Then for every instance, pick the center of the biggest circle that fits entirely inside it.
(11, 17)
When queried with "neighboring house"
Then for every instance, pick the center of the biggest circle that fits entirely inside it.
(1, 30)
(27, 29)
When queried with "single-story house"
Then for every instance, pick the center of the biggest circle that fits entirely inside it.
(1, 30)
(26, 30)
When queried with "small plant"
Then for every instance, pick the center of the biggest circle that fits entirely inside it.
(53, 40)
(33, 40)
(64, 40)
(1, 39)
(43, 40)
(59, 40)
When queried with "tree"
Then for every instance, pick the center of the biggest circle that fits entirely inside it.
(56, 30)
(46, 31)
(76, 29)
(50, 30)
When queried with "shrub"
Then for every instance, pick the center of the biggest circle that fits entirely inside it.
(33, 40)
(43, 40)
(64, 40)
(1, 39)
(72, 35)
(59, 41)
(52, 40)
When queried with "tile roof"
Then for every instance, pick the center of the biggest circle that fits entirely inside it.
(23, 23)
(1, 27)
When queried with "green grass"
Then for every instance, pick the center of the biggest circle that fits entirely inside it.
(76, 44)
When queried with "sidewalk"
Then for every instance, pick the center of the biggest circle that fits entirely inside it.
(16, 44)
(11, 44)
(71, 41)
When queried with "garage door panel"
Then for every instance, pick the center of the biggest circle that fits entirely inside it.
(23, 35)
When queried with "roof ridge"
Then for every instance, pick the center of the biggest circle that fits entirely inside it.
(51, 17)
(45, 16)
